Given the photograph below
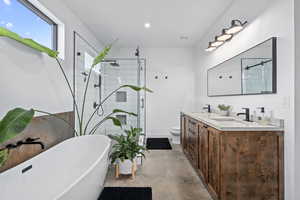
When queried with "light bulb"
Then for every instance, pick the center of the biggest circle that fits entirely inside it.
(224, 37)
(216, 43)
(210, 49)
(234, 29)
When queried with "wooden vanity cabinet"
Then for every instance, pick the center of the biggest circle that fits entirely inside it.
(251, 165)
(236, 165)
(214, 162)
(203, 152)
(192, 141)
(183, 135)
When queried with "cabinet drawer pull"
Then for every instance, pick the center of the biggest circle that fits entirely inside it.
(190, 121)
(192, 131)
(205, 126)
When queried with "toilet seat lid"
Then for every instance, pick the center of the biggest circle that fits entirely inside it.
(175, 128)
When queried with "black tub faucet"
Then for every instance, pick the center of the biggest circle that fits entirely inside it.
(208, 108)
(34, 141)
(28, 141)
(246, 113)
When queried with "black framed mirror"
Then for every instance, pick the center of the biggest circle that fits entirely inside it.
(252, 72)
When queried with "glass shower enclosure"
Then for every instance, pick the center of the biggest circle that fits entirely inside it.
(105, 78)
(115, 72)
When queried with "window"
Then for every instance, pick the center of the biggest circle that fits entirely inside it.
(22, 17)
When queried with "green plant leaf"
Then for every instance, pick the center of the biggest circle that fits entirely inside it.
(136, 88)
(14, 122)
(102, 55)
(123, 111)
(223, 107)
(116, 121)
(3, 157)
(28, 42)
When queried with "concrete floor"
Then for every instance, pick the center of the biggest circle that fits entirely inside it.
(169, 174)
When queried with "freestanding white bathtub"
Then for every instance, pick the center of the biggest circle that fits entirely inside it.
(72, 170)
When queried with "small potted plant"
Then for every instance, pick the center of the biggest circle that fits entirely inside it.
(125, 150)
(224, 110)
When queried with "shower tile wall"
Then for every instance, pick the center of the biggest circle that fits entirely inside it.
(112, 78)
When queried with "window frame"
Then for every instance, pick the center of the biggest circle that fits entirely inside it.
(47, 19)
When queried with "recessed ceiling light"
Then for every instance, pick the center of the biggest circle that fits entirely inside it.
(147, 25)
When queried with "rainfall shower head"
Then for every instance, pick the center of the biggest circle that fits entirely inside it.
(112, 63)
(115, 64)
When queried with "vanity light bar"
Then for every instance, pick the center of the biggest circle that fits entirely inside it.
(226, 35)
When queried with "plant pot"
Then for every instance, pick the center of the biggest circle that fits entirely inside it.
(224, 112)
(125, 167)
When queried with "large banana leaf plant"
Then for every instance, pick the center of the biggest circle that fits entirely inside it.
(16, 120)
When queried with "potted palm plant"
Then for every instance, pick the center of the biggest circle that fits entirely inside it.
(224, 110)
(126, 149)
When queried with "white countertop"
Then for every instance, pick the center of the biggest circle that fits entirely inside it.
(223, 123)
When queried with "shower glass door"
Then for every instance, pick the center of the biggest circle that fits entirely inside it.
(83, 59)
(117, 72)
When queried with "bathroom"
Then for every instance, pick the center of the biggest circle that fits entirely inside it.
(160, 54)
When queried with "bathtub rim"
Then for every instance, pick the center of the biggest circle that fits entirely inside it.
(90, 168)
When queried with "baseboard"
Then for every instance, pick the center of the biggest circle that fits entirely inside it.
(161, 135)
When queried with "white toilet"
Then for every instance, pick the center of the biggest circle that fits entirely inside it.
(175, 132)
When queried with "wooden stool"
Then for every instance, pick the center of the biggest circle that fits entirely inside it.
(133, 170)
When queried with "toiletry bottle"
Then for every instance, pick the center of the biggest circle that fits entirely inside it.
(264, 120)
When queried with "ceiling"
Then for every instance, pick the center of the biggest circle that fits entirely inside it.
(170, 19)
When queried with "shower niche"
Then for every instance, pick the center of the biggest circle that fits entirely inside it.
(252, 72)
(121, 96)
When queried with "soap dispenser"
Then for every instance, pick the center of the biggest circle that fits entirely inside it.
(263, 120)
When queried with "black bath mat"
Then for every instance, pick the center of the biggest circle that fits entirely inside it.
(158, 144)
(126, 193)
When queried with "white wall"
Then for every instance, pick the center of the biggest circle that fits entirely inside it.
(30, 79)
(276, 20)
(297, 90)
(172, 95)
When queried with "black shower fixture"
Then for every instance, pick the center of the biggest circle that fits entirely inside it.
(137, 52)
(226, 35)
(115, 64)
(112, 63)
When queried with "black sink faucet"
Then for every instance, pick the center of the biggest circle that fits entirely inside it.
(208, 108)
(246, 113)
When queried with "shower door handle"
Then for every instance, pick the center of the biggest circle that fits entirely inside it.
(143, 103)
